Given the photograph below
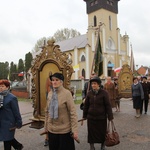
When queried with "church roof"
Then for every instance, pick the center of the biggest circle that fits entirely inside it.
(76, 42)
(69, 44)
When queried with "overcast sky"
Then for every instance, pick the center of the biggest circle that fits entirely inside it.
(23, 22)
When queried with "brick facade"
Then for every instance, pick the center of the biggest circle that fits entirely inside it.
(20, 94)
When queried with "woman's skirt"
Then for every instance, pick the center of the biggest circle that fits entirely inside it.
(96, 130)
(61, 141)
(137, 102)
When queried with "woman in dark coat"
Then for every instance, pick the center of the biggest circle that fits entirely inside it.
(146, 89)
(9, 117)
(97, 109)
(137, 96)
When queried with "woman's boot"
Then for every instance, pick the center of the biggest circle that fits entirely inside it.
(103, 146)
(138, 113)
(92, 146)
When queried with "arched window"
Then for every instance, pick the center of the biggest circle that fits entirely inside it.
(110, 23)
(95, 21)
(83, 58)
(83, 73)
(109, 44)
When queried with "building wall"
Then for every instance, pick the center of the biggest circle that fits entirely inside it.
(20, 94)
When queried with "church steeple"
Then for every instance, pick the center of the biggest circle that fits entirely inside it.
(93, 5)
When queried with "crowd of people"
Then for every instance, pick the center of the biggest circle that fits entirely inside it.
(96, 106)
(61, 120)
(140, 94)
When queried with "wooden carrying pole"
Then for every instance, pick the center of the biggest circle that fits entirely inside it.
(13, 128)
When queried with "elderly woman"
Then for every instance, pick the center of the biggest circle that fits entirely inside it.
(137, 95)
(96, 110)
(60, 117)
(9, 117)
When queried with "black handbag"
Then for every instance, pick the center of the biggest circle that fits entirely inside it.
(82, 106)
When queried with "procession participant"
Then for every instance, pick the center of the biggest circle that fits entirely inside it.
(9, 117)
(139, 79)
(146, 89)
(137, 95)
(60, 118)
(117, 97)
(110, 88)
(87, 87)
(148, 80)
(96, 110)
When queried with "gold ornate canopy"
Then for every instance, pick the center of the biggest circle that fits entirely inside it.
(125, 81)
(51, 59)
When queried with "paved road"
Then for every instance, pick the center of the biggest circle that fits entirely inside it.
(134, 133)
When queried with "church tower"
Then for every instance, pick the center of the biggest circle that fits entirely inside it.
(102, 18)
(94, 5)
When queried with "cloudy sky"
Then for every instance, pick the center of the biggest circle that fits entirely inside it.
(23, 22)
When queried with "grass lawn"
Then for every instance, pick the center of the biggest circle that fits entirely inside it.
(78, 94)
(24, 99)
(78, 101)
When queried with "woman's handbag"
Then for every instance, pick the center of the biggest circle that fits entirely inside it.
(82, 104)
(112, 137)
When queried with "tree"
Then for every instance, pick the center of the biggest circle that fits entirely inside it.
(65, 34)
(39, 44)
(13, 74)
(4, 70)
(59, 35)
(28, 61)
(20, 68)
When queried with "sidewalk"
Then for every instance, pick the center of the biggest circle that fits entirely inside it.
(134, 133)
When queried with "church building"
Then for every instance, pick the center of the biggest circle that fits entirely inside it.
(115, 48)
(102, 20)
